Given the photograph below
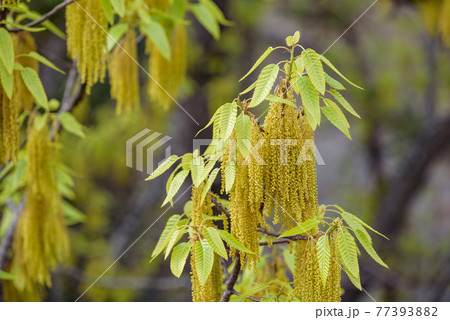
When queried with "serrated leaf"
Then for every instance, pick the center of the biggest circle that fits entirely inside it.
(213, 118)
(264, 84)
(206, 170)
(263, 57)
(333, 82)
(355, 224)
(7, 51)
(344, 103)
(310, 98)
(348, 253)
(299, 65)
(230, 175)
(368, 227)
(329, 64)
(209, 183)
(324, 257)
(44, 60)
(197, 167)
(313, 66)
(163, 167)
(250, 88)
(302, 228)
(70, 124)
(158, 35)
(179, 257)
(215, 241)
(233, 242)
(355, 280)
(176, 235)
(273, 98)
(204, 260)
(6, 80)
(206, 19)
(115, 33)
(243, 134)
(175, 186)
(334, 114)
(34, 85)
(119, 6)
(227, 120)
(166, 235)
(367, 244)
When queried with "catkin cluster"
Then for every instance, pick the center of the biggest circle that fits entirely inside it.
(211, 290)
(436, 16)
(86, 25)
(123, 71)
(290, 173)
(40, 241)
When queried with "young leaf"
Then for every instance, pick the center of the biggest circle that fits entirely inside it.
(355, 280)
(34, 85)
(206, 19)
(6, 80)
(296, 37)
(115, 33)
(119, 6)
(336, 117)
(213, 118)
(243, 133)
(339, 98)
(348, 253)
(44, 60)
(299, 65)
(227, 120)
(230, 175)
(176, 235)
(207, 169)
(333, 82)
(368, 227)
(324, 257)
(69, 123)
(273, 98)
(175, 186)
(209, 183)
(7, 51)
(355, 224)
(310, 98)
(6, 276)
(263, 57)
(303, 227)
(329, 64)
(166, 235)
(197, 167)
(264, 84)
(163, 167)
(204, 260)
(367, 244)
(314, 67)
(215, 241)
(179, 257)
(107, 7)
(233, 242)
(215, 10)
(158, 35)
(250, 88)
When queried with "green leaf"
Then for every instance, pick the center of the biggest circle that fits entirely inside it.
(213, 118)
(299, 66)
(70, 124)
(264, 84)
(175, 186)
(314, 67)
(302, 228)
(263, 57)
(179, 257)
(119, 6)
(252, 291)
(368, 227)
(367, 244)
(176, 235)
(233, 242)
(6, 276)
(197, 167)
(215, 10)
(348, 253)
(163, 167)
(310, 99)
(34, 85)
(329, 64)
(209, 183)
(215, 241)
(250, 88)
(355, 224)
(107, 7)
(44, 60)
(166, 235)
(40, 121)
(204, 260)
(7, 51)
(273, 98)
(339, 98)
(333, 82)
(335, 115)
(296, 37)
(158, 35)
(115, 33)
(324, 257)
(6, 80)
(355, 280)
(243, 134)
(227, 120)
(206, 170)
(230, 175)
(206, 18)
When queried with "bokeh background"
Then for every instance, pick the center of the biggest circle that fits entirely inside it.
(395, 172)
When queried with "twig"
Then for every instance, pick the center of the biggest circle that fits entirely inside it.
(285, 239)
(45, 16)
(231, 280)
(220, 206)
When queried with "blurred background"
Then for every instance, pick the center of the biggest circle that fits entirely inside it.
(395, 173)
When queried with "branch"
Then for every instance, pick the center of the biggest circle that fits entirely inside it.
(231, 280)
(285, 239)
(45, 16)
(215, 199)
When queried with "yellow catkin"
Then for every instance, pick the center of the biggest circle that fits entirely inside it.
(332, 289)
(9, 126)
(40, 241)
(86, 25)
(444, 22)
(123, 72)
(167, 76)
(211, 290)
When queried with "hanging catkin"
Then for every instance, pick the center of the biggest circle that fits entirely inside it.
(40, 241)
(123, 71)
(9, 126)
(86, 25)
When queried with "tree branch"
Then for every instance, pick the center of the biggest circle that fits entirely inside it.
(231, 280)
